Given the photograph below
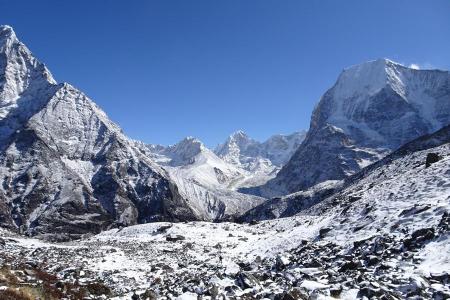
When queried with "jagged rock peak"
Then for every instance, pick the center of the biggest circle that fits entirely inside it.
(6, 32)
(236, 144)
(185, 151)
(188, 144)
(369, 78)
(239, 134)
(237, 139)
(19, 63)
(22, 78)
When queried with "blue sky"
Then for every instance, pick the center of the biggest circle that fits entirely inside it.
(167, 69)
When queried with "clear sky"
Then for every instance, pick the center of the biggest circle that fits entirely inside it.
(167, 69)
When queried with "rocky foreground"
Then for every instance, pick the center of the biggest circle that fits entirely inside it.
(230, 261)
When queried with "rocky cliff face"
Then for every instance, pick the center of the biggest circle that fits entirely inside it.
(371, 110)
(65, 167)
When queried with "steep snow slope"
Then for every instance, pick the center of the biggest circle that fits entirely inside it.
(371, 110)
(65, 167)
(384, 234)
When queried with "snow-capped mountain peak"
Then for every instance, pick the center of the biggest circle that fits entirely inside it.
(23, 82)
(367, 78)
(189, 144)
(240, 162)
(236, 143)
(238, 139)
(240, 149)
(373, 108)
(185, 151)
(18, 58)
(280, 147)
(6, 34)
(239, 136)
(65, 148)
(383, 91)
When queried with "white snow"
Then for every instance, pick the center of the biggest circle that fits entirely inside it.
(435, 256)
(313, 285)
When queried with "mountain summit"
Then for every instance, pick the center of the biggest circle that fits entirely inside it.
(240, 149)
(372, 109)
(237, 143)
(65, 167)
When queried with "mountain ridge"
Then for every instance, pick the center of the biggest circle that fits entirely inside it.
(211, 181)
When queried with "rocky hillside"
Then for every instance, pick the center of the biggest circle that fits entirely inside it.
(372, 109)
(295, 203)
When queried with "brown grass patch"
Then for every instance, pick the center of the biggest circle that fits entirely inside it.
(13, 294)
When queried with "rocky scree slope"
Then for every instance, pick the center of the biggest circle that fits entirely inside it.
(372, 109)
(295, 203)
(64, 166)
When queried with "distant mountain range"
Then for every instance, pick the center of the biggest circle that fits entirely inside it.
(210, 179)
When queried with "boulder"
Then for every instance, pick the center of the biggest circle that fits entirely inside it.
(324, 231)
(369, 292)
(174, 238)
(431, 159)
(282, 262)
(246, 280)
